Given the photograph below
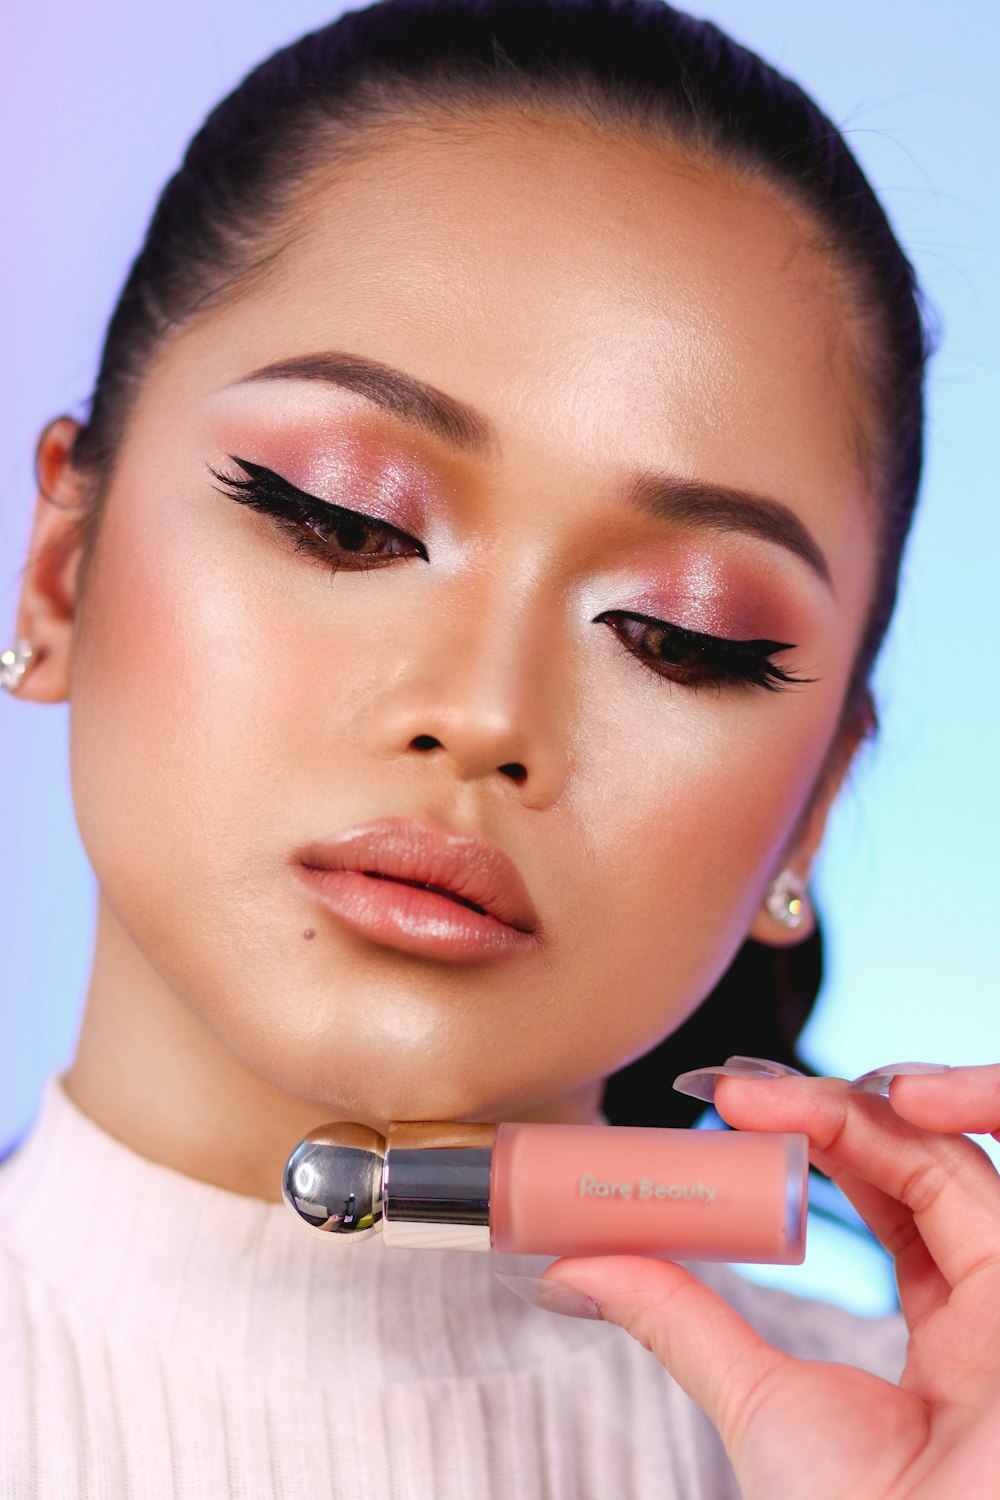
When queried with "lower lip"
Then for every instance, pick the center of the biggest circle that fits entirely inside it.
(415, 920)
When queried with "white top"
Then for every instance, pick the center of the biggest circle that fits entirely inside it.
(163, 1337)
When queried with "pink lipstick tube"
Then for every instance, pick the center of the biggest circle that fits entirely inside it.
(529, 1189)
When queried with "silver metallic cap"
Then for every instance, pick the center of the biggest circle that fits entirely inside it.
(426, 1185)
(333, 1179)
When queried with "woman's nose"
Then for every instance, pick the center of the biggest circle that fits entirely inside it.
(482, 700)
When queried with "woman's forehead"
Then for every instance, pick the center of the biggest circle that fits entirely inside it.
(625, 276)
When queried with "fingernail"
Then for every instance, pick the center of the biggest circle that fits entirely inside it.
(878, 1079)
(700, 1082)
(551, 1296)
(781, 1069)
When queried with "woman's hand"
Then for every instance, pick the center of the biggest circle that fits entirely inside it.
(799, 1429)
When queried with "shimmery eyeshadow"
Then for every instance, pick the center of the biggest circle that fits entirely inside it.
(344, 463)
(693, 585)
(718, 584)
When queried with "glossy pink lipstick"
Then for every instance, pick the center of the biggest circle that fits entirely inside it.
(404, 884)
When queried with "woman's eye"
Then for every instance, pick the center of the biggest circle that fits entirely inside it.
(347, 538)
(691, 658)
(360, 535)
(337, 536)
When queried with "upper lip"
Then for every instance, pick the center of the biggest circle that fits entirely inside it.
(406, 849)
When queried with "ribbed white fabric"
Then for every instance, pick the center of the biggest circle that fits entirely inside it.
(162, 1337)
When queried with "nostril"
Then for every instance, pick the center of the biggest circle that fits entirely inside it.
(515, 769)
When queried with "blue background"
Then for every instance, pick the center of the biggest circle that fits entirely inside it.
(96, 105)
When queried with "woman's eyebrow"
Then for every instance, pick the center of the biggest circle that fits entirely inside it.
(401, 395)
(686, 503)
(697, 504)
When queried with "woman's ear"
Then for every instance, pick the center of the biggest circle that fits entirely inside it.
(787, 896)
(47, 605)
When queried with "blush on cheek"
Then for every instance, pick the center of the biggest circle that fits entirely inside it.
(721, 816)
(156, 640)
(161, 645)
(131, 732)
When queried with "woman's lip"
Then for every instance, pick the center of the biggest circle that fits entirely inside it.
(409, 854)
(415, 920)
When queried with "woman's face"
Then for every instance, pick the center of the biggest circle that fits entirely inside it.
(624, 323)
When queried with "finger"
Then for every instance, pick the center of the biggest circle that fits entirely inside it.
(711, 1351)
(922, 1288)
(963, 1099)
(948, 1182)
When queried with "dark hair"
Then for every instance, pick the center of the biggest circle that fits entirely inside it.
(630, 65)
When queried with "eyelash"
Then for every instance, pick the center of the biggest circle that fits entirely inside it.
(694, 660)
(687, 657)
(300, 516)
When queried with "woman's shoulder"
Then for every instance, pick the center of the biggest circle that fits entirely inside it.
(811, 1327)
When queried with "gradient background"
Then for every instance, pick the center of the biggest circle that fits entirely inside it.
(96, 106)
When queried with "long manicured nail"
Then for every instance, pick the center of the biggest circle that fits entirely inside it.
(781, 1070)
(877, 1081)
(700, 1082)
(550, 1296)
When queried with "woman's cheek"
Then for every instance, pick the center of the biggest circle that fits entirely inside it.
(154, 670)
(716, 796)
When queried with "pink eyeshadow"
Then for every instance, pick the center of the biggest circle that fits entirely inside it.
(715, 584)
(347, 468)
(732, 597)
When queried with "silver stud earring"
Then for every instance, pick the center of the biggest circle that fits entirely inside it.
(14, 663)
(787, 900)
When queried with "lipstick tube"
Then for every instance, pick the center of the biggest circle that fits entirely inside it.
(533, 1189)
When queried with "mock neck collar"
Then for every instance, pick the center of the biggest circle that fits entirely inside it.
(160, 1257)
